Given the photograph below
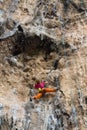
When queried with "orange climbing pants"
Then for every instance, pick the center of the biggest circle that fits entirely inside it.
(44, 90)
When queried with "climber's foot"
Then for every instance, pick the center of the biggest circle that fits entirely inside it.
(57, 89)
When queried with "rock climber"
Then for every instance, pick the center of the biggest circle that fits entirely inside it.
(40, 85)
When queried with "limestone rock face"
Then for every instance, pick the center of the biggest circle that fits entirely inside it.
(44, 39)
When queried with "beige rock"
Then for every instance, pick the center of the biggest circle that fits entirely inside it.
(61, 63)
(52, 29)
(53, 55)
(10, 24)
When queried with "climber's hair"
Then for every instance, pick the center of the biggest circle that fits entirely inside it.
(37, 81)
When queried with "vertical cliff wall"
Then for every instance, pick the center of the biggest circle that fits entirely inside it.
(43, 39)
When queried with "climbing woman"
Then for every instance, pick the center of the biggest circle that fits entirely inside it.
(40, 85)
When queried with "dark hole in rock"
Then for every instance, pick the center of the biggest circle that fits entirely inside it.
(86, 100)
(20, 28)
(17, 50)
(33, 45)
(86, 112)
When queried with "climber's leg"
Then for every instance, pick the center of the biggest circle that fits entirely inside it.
(50, 89)
(39, 95)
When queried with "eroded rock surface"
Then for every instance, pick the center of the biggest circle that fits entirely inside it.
(44, 39)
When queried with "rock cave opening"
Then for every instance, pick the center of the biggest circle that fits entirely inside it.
(33, 45)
